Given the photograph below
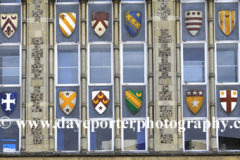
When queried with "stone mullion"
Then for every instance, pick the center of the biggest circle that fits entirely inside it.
(117, 93)
(213, 140)
(24, 61)
(83, 76)
(150, 74)
(51, 73)
(178, 65)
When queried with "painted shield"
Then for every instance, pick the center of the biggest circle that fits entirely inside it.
(193, 21)
(67, 23)
(133, 22)
(100, 100)
(100, 22)
(226, 21)
(134, 100)
(228, 99)
(8, 101)
(9, 22)
(194, 99)
(67, 101)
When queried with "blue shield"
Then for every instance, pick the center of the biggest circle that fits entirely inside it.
(133, 22)
(8, 101)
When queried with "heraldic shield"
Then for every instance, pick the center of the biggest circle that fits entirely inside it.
(100, 22)
(9, 22)
(8, 101)
(133, 22)
(228, 99)
(193, 21)
(100, 100)
(226, 21)
(194, 99)
(67, 101)
(67, 23)
(134, 100)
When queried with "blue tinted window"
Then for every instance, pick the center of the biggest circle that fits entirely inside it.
(10, 1)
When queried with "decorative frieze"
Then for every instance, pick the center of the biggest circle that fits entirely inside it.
(163, 11)
(37, 13)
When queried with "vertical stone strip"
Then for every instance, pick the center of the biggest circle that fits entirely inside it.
(84, 117)
(150, 73)
(116, 63)
(164, 70)
(24, 66)
(213, 140)
(178, 64)
(51, 73)
(37, 83)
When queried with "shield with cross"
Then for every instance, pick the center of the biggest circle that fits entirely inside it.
(8, 101)
(67, 101)
(228, 99)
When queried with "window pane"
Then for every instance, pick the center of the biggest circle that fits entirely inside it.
(194, 64)
(133, 63)
(134, 140)
(229, 139)
(195, 138)
(9, 65)
(67, 138)
(101, 139)
(9, 138)
(68, 1)
(100, 64)
(68, 65)
(227, 62)
(9, 1)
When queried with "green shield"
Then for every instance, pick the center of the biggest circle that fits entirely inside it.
(134, 100)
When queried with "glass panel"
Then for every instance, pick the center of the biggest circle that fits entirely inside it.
(100, 63)
(68, 1)
(9, 137)
(229, 137)
(68, 64)
(195, 138)
(101, 139)
(9, 65)
(134, 140)
(9, 1)
(133, 63)
(227, 62)
(194, 64)
(67, 138)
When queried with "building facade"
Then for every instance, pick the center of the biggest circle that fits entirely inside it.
(152, 60)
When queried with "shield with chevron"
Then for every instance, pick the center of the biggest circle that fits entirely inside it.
(9, 22)
(134, 100)
(100, 22)
(67, 101)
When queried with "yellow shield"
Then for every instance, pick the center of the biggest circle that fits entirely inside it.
(226, 21)
(67, 101)
(194, 99)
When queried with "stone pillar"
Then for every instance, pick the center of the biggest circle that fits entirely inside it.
(116, 63)
(164, 51)
(213, 140)
(37, 73)
(178, 65)
(24, 66)
(51, 63)
(83, 75)
(150, 73)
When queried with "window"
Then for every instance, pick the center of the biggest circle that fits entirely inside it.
(67, 71)
(194, 73)
(134, 75)
(10, 76)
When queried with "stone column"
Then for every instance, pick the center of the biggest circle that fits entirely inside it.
(37, 73)
(116, 63)
(178, 65)
(24, 66)
(150, 74)
(213, 140)
(83, 75)
(51, 73)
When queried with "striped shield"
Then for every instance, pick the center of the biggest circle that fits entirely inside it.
(67, 23)
(193, 21)
(226, 21)
(134, 100)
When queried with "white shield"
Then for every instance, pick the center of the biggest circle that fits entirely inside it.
(9, 23)
(193, 21)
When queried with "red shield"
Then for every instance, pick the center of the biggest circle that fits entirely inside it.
(100, 22)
